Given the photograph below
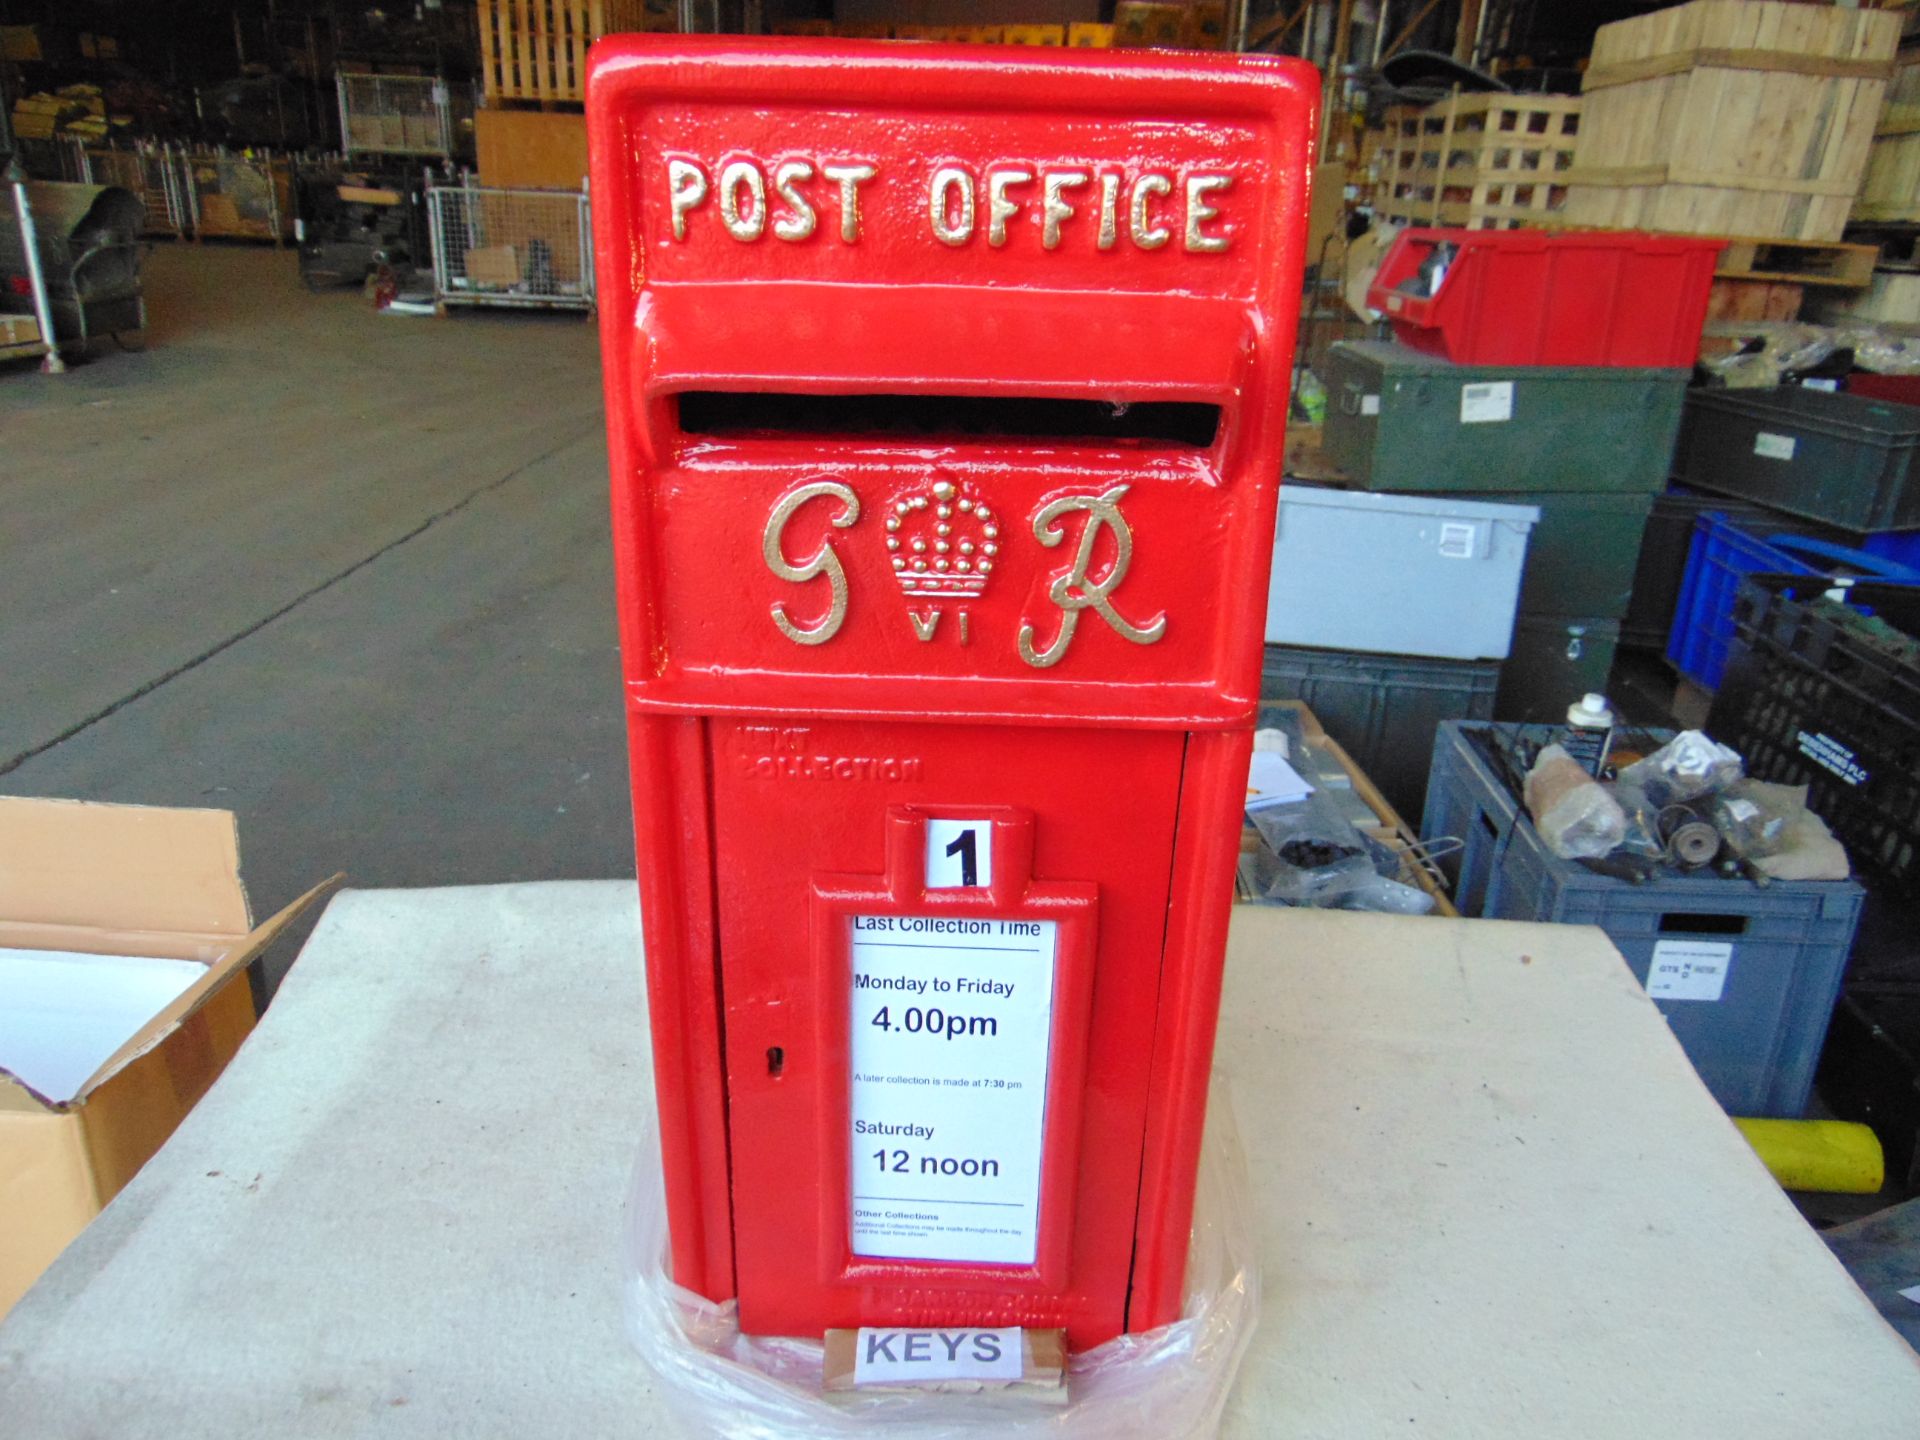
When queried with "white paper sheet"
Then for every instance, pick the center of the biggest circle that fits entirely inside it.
(62, 1014)
(1272, 780)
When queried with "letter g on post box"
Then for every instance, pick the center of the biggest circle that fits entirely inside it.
(945, 392)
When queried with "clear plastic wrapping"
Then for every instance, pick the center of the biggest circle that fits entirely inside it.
(1686, 767)
(1881, 351)
(1314, 855)
(1776, 349)
(1163, 1384)
(1575, 815)
(1759, 819)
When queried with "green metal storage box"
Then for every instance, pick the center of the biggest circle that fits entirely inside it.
(1583, 551)
(1555, 660)
(1399, 420)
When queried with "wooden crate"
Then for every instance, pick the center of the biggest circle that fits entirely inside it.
(1731, 117)
(1485, 162)
(1893, 297)
(1891, 189)
(537, 49)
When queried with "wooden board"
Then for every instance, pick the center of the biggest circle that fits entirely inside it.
(528, 149)
(1740, 117)
(1797, 262)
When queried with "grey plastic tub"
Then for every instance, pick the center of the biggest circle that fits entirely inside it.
(1396, 574)
(1752, 1022)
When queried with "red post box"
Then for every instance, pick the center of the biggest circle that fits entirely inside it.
(946, 391)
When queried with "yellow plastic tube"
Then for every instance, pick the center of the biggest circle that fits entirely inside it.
(1834, 1156)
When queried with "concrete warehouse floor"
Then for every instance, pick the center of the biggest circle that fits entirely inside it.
(346, 574)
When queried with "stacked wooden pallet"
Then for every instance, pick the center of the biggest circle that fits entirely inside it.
(536, 50)
(1484, 162)
(1731, 117)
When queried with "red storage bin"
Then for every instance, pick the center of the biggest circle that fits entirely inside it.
(1530, 297)
(1901, 389)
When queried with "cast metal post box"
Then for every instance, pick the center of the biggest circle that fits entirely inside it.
(946, 390)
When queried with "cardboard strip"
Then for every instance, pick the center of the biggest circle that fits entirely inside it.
(203, 989)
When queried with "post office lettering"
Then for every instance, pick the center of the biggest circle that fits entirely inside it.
(1010, 205)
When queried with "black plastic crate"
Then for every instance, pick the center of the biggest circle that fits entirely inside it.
(1840, 459)
(1383, 709)
(1663, 559)
(1808, 698)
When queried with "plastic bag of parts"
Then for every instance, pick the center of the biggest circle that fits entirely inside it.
(1162, 1384)
(1575, 815)
(1313, 855)
(1758, 819)
(1686, 767)
(1642, 835)
(1774, 350)
(1881, 351)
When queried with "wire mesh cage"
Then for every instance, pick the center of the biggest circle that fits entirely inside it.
(240, 194)
(156, 173)
(397, 114)
(511, 247)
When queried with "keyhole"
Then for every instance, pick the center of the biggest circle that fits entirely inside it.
(776, 1060)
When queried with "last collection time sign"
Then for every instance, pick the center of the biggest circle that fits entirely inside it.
(951, 1026)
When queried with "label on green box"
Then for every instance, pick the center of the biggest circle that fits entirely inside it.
(1486, 402)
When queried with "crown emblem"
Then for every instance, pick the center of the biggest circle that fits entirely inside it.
(942, 541)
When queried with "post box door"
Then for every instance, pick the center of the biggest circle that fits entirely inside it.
(998, 1090)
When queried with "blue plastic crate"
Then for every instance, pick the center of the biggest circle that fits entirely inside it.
(1785, 946)
(1721, 554)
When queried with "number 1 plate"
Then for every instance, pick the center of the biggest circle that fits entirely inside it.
(951, 1026)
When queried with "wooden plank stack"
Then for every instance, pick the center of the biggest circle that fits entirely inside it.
(1484, 162)
(536, 50)
(1731, 117)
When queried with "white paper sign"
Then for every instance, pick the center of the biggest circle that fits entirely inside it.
(1486, 402)
(951, 1025)
(917, 1357)
(1773, 447)
(1369, 404)
(1689, 969)
(1272, 780)
(959, 854)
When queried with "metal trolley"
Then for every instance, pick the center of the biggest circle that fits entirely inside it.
(156, 173)
(518, 248)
